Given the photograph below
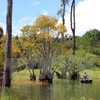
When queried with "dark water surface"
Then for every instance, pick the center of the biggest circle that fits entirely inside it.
(62, 90)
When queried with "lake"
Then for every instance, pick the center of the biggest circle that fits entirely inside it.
(59, 90)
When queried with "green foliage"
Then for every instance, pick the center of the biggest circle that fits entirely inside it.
(2, 50)
(90, 42)
(91, 59)
(93, 73)
(92, 37)
(76, 63)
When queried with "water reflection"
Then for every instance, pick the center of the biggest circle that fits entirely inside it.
(85, 89)
(56, 91)
(46, 92)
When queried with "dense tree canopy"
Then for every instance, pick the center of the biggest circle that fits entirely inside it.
(90, 41)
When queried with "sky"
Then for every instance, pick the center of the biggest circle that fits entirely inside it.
(26, 11)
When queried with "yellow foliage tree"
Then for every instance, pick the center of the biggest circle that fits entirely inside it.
(2, 50)
(62, 29)
(41, 36)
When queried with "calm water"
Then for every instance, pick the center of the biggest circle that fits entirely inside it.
(57, 91)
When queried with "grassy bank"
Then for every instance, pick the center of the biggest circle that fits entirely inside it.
(93, 73)
(22, 77)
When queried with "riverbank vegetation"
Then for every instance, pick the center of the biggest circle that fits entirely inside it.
(22, 77)
(28, 53)
(47, 53)
(23, 88)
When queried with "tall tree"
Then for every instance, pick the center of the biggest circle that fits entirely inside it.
(7, 66)
(62, 12)
(72, 20)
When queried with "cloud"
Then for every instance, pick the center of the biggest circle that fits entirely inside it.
(87, 17)
(44, 12)
(35, 3)
(23, 21)
(16, 26)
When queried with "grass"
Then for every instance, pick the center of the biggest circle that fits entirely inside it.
(93, 73)
(22, 77)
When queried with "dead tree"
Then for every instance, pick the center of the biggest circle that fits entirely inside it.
(7, 66)
(72, 20)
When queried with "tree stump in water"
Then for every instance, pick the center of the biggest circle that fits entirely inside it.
(74, 76)
(33, 77)
(1, 76)
(46, 77)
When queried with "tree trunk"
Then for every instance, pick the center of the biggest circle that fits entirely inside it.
(63, 19)
(7, 66)
(72, 20)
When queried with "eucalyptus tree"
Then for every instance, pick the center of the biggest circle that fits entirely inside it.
(7, 66)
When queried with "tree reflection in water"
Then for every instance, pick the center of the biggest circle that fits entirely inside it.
(56, 91)
(45, 92)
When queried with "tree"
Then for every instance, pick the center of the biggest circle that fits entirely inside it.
(72, 20)
(73, 64)
(1, 32)
(93, 37)
(2, 50)
(46, 45)
(42, 34)
(62, 12)
(7, 66)
(91, 41)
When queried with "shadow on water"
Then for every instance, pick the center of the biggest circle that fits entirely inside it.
(56, 91)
